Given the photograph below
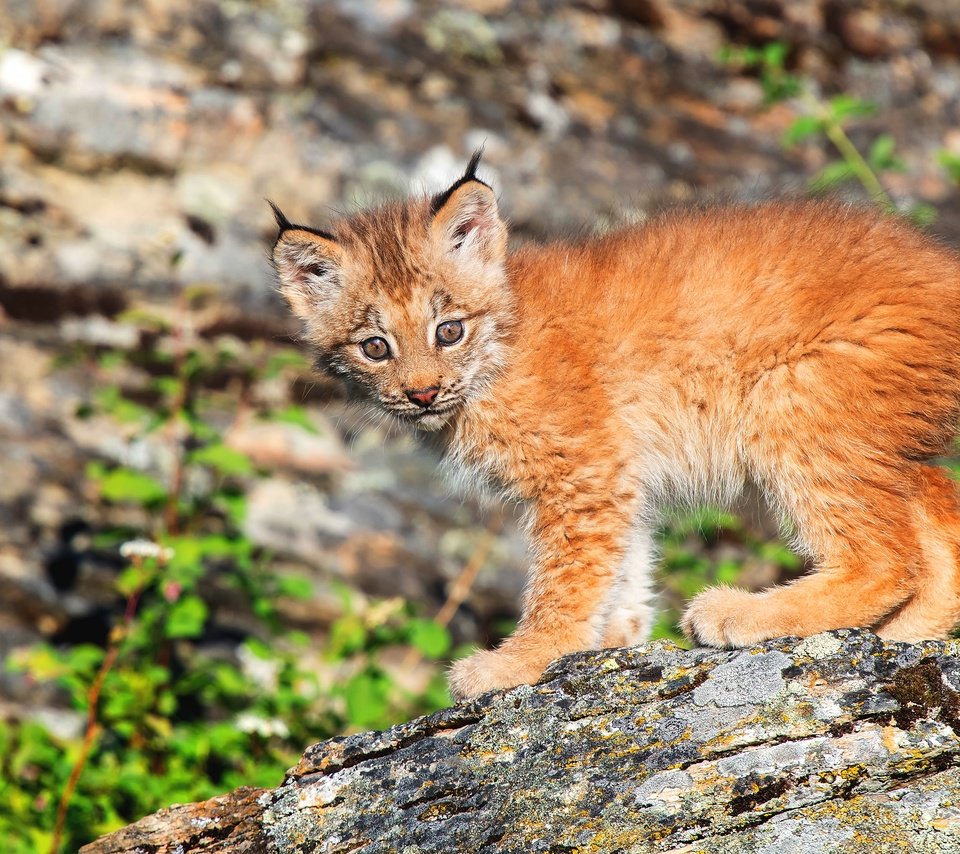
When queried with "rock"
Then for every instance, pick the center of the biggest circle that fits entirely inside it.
(140, 116)
(96, 330)
(941, 27)
(873, 34)
(836, 743)
(463, 34)
(278, 445)
(389, 529)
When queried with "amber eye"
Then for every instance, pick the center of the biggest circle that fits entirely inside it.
(450, 332)
(375, 348)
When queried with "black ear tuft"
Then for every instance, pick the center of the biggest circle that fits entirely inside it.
(440, 199)
(283, 224)
(472, 166)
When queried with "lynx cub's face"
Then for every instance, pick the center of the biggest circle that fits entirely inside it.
(409, 302)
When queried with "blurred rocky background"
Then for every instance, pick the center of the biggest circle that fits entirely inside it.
(138, 142)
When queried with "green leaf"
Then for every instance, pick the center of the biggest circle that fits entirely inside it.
(106, 397)
(185, 548)
(367, 696)
(124, 484)
(727, 571)
(186, 566)
(229, 681)
(347, 635)
(186, 618)
(727, 54)
(259, 649)
(951, 162)
(226, 461)
(437, 695)
(234, 505)
(432, 639)
(775, 54)
(345, 594)
(831, 175)
(41, 662)
(745, 56)
(297, 415)
(779, 86)
(217, 545)
(138, 316)
(278, 362)
(296, 638)
(844, 106)
(882, 157)
(192, 364)
(111, 359)
(135, 578)
(665, 628)
(778, 83)
(111, 401)
(295, 586)
(801, 128)
(780, 555)
(225, 738)
(169, 387)
(922, 214)
(199, 428)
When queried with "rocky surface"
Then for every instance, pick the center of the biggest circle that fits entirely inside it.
(836, 743)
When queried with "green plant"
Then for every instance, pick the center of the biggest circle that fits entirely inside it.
(690, 560)
(370, 697)
(951, 162)
(168, 716)
(828, 119)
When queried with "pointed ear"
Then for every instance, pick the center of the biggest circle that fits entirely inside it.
(466, 220)
(308, 263)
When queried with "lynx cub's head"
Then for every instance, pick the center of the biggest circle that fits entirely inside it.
(409, 301)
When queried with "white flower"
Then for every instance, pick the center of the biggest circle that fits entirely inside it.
(263, 671)
(145, 549)
(265, 727)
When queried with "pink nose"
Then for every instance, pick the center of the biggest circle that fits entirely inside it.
(423, 397)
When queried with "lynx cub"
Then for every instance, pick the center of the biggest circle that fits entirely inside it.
(812, 347)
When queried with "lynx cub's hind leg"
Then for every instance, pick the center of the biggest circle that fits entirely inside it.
(854, 507)
(934, 609)
(630, 616)
(867, 566)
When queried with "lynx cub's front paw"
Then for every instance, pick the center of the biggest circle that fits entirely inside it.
(489, 670)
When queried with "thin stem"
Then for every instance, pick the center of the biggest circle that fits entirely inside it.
(851, 155)
(460, 588)
(177, 406)
(93, 727)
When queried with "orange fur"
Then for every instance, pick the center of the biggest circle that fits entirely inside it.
(812, 347)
